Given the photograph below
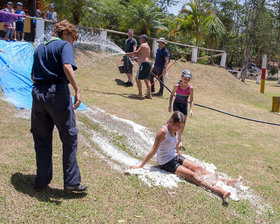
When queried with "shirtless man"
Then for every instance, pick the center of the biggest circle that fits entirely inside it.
(143, 59)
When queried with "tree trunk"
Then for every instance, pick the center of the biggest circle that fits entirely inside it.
(76, 17)
(278, 39)
(211, 58)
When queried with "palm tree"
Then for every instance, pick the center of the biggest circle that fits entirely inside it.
(143, 16)
(214, 31)
(194, 19)
(73, 10)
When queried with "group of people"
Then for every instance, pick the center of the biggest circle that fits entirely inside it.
(53, 70)
(145, 71)
(183, 90)
(15, 30)
(167, 142)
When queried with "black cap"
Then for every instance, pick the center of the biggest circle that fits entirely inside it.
(144, 36)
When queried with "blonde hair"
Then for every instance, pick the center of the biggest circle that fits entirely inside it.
(64, 25)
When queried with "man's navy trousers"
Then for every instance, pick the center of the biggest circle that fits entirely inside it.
(52, 105)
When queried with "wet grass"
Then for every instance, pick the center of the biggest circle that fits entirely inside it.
(236, 147)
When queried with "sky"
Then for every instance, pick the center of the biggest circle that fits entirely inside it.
(176, 8)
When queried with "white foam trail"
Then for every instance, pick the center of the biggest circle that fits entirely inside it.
(139, 138)
(151, 175)
(24, 113)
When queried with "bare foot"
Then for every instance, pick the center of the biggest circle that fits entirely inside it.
(148, 97)
(140, 97)
(226, 195)
(233, 182)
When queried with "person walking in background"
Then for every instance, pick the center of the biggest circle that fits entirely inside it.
(9, 28)
(52, 71)
(184, 91)
(130, 46)
(159, 69)
(20, 22)
(143, 59)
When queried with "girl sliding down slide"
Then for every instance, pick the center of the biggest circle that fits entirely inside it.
(170, 158)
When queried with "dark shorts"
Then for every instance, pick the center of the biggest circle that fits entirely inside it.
(173, 164)
(182, 107)
(144, 71)
(19, 26)
(157, 71)
(127, 65)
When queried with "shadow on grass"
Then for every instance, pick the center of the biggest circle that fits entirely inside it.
(120, 82)
(25, 184)
(128, 96)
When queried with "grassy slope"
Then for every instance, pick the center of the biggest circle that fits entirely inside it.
(235, 146)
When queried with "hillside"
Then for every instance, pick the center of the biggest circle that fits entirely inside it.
(236, 147)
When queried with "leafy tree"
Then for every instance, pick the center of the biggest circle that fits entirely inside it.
(214, 30)
(196, 16)
(73, 10)
(143, 16)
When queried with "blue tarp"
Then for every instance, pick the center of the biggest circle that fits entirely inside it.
(15, 72)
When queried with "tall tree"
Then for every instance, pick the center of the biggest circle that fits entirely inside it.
(196, 15)
(73, 10)
(143, 16)
(214, 30)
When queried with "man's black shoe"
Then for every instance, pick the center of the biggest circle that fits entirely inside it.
(41, 188)
(158, 94)
(129, 84)
(77, 187)
(126, 82)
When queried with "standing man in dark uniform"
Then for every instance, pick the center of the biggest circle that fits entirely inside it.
(162, 60)
(52, 71)
(130, 46)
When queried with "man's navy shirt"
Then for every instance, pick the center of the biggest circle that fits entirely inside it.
(49, 60)
(129, 44)
(160, 57)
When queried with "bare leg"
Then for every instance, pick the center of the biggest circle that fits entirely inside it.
(181, 130)
(148, 84)
(129, 77)
(201, 171)
(194, 177)
(139, 86)
(13, 35)
(195, 168)
(8, 30)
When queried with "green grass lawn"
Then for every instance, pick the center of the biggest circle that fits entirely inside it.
(236, 147)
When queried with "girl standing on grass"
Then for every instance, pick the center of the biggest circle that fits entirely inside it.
(170, 159)
(184, 91)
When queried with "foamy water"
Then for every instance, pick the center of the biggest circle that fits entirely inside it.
(151, 175)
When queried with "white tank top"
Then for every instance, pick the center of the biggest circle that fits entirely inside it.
(166, 150)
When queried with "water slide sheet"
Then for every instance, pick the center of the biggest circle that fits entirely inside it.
(15, 73)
